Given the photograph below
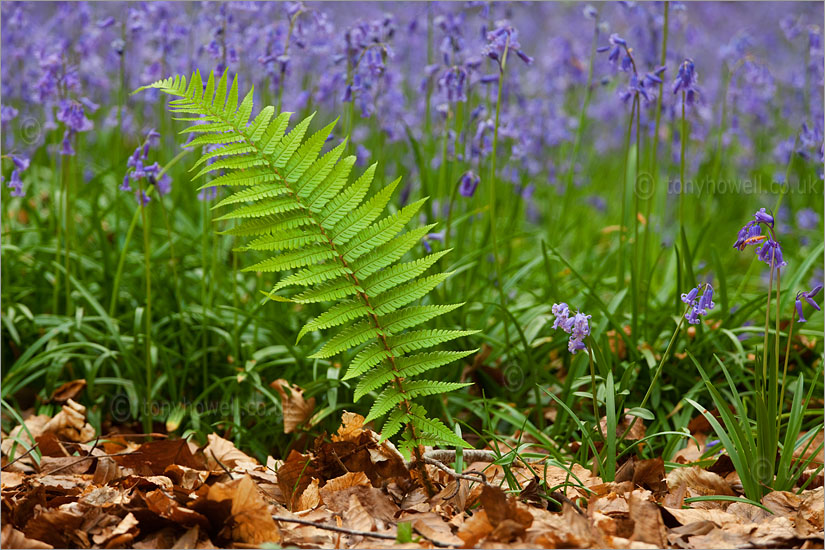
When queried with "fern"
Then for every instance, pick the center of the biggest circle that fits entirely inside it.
(300, 206)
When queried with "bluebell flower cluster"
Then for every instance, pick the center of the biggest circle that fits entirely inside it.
(576, 325)
(621, 56)
(686, 80)
(768, 248)
(21, 163)
(504, 38)
(699, 305)
(139, 170)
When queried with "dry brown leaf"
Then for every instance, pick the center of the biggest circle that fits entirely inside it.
(297, 410)
(294, 476)
(121, 535)
(70, 423)
(475, 529)
(166, 507)
(509, 519)
(251, 521)
(357, 517)
(812, 509)
(153, 457)
(310, 498)
(637, 432)
(337, 493)
(700, 482)
(12, 538)
(221, 451)
(67, 391)
(352, 424)
(647, 521)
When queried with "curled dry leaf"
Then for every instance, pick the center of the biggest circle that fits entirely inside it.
(220, 451)
(337, 496)
(638, 430)
(294, 476)
(698, 481)
(12, 538)
(297, 410)
(67, 391)
(251, 519)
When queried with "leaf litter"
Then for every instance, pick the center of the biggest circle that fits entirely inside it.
(352, 490)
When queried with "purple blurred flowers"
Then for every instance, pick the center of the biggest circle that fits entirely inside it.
(468, 183)
(577, 326)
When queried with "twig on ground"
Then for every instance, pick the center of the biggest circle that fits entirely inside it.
(354, 532)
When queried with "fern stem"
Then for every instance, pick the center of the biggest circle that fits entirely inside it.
(204, 292)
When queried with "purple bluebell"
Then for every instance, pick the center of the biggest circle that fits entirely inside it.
(808, 297)
(468, 183)
(770, 252)
(763, 217)
(577, 326)
(698, 307)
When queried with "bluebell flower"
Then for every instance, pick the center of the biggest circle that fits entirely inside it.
(808, 297)
(771, 253)
(690, 297)
(468, 183)
(763, 217)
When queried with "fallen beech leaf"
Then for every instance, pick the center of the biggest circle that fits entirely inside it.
(186, 478)
(647, 521)
(296, 409)
(509, 519)
(53, 525)
(12, 538)
(10, 480)
(294, 476)
(352, 424)
(310, 498)
(122, 535)
(67, 391)
(70, 423)
(475, 529)
(19, 439)
(153, 457)
(224, 451)
(812, 510)
(637, 432)
(251, 521)
(158, 502)
(566, 530)
(700, 482)
(357, 517)
(337, 494)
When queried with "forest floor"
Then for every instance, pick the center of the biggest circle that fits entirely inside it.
(122, 490)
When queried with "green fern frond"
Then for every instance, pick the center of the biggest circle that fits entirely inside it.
(296, 203)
